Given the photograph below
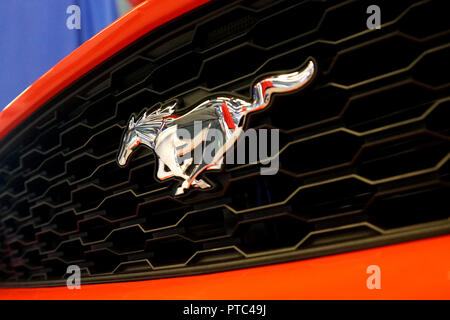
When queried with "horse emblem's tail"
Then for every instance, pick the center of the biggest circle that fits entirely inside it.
(263, 90)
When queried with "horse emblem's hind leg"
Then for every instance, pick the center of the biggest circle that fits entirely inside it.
(196, 183)
(216, 163)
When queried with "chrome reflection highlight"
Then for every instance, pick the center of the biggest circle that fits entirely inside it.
(158, 130)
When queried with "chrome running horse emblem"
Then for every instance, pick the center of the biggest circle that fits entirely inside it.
(158, 130)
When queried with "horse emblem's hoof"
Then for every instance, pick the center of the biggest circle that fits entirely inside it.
(160, 130)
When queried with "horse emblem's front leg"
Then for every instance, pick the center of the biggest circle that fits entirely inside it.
(162, 174)
(166, 150)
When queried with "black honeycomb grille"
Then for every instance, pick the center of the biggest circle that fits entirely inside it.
(364, 158)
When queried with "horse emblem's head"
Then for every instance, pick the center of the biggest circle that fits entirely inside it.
(144, 130)
(130, 141)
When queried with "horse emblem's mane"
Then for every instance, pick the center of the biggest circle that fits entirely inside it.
(153, 120)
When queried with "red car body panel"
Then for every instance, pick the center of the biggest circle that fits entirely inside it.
(412, 270)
